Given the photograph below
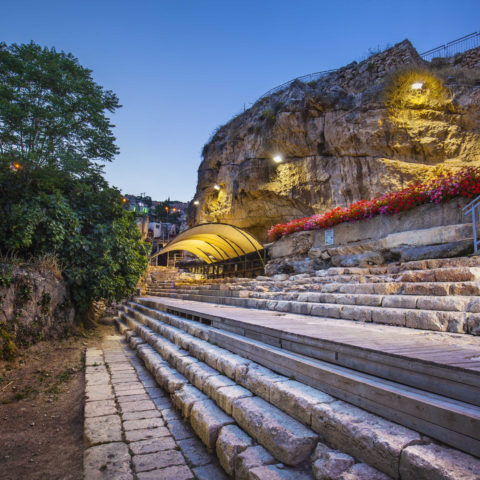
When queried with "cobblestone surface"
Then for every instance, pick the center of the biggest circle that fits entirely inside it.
(131, 427)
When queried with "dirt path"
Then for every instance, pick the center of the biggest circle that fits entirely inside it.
(41, 410)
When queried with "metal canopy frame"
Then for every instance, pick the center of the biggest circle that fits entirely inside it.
(214, 242)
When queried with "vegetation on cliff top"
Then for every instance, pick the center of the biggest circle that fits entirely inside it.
(464, 183)
(54, 137)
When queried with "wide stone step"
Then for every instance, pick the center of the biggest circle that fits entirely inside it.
(387, 288)
(445, 419)
(283, 436)
(453, 303)
(337, 423)
(448, 320)
(288, 439)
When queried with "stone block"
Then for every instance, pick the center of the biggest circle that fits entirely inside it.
(278, 472)
(249, 459)
(102, 429)
(362, 471)
(357, 313)
(100, 408)
(135, 406)
(198, 373)
(140, 415)
(473, 324)
(226, 396)
(297, 399)
(212, 384)
(432, 462)
(425, 320)
(372, 439)
(98, 392)
(286, 438)
(195, 452)
(144, 423)
(146, 434)
(107, 462)
(159, 460)
(210, 472)
(152, 445)
(229, 363)
(180, 430)
(231, 441)
(326, 310)
(258, 379)
(207, 420)
(451, 303)
(169, 379)
(389, 316)
(400, 301)
(329, 464)
(184, 362)
(186, 397)
(177, 472)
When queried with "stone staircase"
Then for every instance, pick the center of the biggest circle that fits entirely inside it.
(276, 404)
(437, 294)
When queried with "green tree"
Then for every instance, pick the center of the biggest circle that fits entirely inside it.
(52, 112)
(54, 137)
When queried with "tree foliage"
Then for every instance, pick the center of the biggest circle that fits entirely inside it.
(54, 136)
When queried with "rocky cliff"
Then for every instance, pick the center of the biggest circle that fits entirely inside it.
(354, 133)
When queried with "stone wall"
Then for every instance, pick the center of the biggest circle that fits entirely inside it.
(33, 306)
(341, 141)
(428, 231)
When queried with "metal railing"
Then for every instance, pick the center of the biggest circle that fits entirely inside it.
(450, 49)
(473, 208)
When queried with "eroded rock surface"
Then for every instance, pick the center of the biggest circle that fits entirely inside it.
(342, 139)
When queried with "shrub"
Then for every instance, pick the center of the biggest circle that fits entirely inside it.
(464, 183)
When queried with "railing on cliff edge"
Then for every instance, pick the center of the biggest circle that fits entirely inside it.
(473, 208)
(450, 49)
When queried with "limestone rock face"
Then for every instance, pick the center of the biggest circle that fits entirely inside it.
(355, 133)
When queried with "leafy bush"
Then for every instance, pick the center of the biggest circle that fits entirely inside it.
(54, 201)
(464, 183)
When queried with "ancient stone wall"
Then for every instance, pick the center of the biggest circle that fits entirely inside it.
(33, 306)
(341, 140)
(428, 231)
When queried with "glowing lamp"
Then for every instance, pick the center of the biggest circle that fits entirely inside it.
(196, 202)
(417, 86)
(277, 158)
(124, 200)
(216, 187)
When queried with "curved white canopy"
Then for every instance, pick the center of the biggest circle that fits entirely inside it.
(214, 242)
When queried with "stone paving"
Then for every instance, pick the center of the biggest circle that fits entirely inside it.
(131, 430)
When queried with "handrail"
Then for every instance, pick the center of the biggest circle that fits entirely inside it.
(473, 207)
(462, 44)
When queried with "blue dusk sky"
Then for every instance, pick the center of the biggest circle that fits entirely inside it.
(182, 68)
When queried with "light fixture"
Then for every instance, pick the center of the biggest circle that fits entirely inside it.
(196, 202)
(124, 200)
(216, 187)
(417, 85)
(277, 158)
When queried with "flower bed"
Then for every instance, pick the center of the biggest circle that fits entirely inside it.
(464, 183)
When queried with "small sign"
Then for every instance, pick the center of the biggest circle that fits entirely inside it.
(329, 236)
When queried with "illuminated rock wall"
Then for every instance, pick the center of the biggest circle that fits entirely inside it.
(357, 133)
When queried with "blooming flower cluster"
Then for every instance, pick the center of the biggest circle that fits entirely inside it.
(464, 183)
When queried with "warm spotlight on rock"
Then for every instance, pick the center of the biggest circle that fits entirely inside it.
(277, 158)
